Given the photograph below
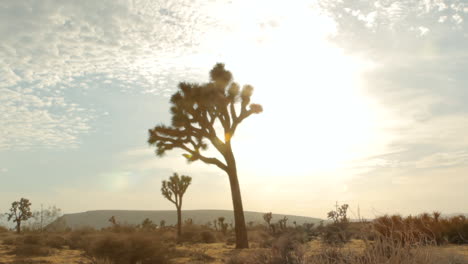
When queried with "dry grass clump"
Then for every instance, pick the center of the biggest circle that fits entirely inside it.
(129, 248)
(31, 250)
(260, 237)
(55, 241)
(200, 234)
(286, 248)
(405, 246)
(30, 245)
(384, 250)
(9, 241)
(424, 227)
(3, 229)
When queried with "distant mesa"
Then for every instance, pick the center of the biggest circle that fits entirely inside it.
(100, 218)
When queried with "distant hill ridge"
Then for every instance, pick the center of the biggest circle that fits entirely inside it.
(100, 218)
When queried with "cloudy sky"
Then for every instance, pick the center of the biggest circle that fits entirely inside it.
(365, 102)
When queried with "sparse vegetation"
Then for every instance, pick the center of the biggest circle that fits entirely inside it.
(387, 239)
(425, 227)
(129, 249)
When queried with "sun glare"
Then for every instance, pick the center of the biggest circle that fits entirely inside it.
(312, 94)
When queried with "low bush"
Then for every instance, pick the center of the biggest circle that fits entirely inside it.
(384, 250)
(425, 227)
(286, 250)
(130, 249)
(9, 241)
(208, 237)
(336, 233)
(3, 229)
(32, 239)
(261, 238)
(31, 250)
(198, 234)
(55, 241)
(78, 240)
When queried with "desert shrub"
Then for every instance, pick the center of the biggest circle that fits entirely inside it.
(123, 228)
(189, 236)
(78, 240)
(31, 250)
(32, 239)
(231, 240)
(207, 237)
(262, 256)
(84, 230)
(9, 241)
(129, 249)
(3, 229)
(261, 237)
(55, 241)
(167, 234)
(288, 249)
(199, 234)
(424, 228)
(336, 233)
(383, 250)
(199, 256)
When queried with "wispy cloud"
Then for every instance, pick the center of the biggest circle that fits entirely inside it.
(49, 48)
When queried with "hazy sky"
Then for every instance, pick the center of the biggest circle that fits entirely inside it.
(365, 102)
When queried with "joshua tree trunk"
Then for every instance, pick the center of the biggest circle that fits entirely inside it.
(239, 220)
(18, 227)
(179, 221)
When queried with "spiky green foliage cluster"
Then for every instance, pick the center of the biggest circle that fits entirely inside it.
(175, 188)
(195, 110)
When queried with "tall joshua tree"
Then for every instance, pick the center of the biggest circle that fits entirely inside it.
(174, 190)
(20, 211)
(196, 110)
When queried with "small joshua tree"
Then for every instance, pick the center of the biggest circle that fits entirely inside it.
(20, 211)
(113, 221)
(174, 190)
(188, 222)
(282, 223)
(267, 217)
(224, 226)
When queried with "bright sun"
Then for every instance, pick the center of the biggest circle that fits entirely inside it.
(316, 116)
